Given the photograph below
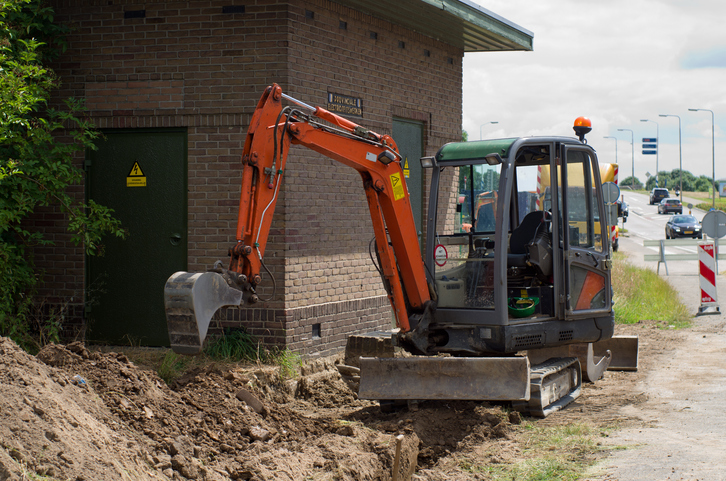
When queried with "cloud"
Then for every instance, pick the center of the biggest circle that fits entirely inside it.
(616, 62)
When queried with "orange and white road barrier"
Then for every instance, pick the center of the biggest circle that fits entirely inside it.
(707, 271)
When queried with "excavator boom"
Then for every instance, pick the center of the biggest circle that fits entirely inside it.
(272, 130)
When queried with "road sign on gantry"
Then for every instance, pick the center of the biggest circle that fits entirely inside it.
(650, 146)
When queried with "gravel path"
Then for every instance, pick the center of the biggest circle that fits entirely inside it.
(683, 429)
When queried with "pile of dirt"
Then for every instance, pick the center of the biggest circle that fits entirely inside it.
(70, 413)
(55, 425)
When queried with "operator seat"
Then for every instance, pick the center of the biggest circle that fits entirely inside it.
(522, 236)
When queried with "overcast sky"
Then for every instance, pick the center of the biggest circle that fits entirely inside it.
(616, 62)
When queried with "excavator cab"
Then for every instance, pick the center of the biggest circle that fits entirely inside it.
(519, 263)
(517, 268)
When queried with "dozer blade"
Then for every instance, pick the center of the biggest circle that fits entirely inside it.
(624, 349)
(593, 365)
(445, 378)
(191, 299)
(554, 385)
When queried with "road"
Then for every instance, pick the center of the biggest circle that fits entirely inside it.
(644, 223)
(683, 426)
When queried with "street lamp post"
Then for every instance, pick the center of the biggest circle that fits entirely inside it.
(616, 146)
(657, 147)
(632, 152)
(482, 125)
(713, 151)
(680, 153)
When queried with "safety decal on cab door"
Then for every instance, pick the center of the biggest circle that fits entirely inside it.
(397, 185)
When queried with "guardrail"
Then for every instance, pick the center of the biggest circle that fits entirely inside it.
(661, 256)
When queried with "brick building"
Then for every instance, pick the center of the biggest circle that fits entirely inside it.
(172, 85)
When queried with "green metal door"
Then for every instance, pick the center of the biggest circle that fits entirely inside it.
(408, 135)
(142, 175)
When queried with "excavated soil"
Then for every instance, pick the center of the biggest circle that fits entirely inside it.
(75, 414)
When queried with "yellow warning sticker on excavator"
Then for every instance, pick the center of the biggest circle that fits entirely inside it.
(136, 177)
(397, 185)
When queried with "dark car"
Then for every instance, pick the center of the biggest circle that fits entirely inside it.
(668, 206)
(658, 194)
(683, 226)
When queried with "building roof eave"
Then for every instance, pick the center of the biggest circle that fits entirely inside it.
(460, 23)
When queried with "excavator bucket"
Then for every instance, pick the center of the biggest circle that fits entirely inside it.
(450, 378)
(624, 350)
(191, 299)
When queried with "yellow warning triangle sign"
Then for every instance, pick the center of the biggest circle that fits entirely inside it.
(405, 164)
(136, 177)
(136, 171)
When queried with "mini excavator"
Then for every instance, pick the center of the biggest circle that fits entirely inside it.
(511, 299)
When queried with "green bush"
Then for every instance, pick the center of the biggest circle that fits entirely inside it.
(38, 145)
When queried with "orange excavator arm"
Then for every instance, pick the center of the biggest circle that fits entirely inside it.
(272, 130)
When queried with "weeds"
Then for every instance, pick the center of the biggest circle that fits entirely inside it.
(548, 454)
(236, 345)
(35, 324)
(640, 294)
(289, 363)
(172, 366)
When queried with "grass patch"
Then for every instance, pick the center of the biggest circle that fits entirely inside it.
(640, 294)
(172, 366)
(549, 453)
(235, 345)
(707, 201)
(697, 195)
(720, 205)
(289, 363)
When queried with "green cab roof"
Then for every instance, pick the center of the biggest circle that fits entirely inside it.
(478, 149)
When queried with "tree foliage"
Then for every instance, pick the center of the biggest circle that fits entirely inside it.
(672, 179)
(36, 168)
(629, 180)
